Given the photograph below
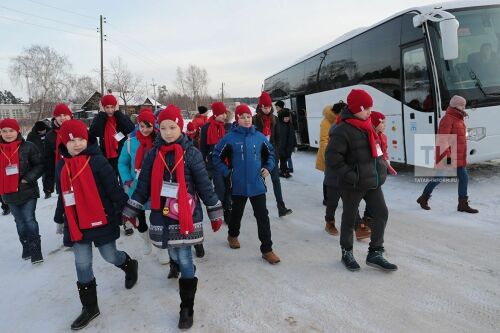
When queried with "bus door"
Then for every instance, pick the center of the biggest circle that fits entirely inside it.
(298, 106)
(418, 102)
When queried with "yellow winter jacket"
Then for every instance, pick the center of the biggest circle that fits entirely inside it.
(329, 119)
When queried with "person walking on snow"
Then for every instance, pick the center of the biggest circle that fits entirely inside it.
(173, 176)
(287, 141)
(356, 165)
(453, 124)
(251, 158)
(21, 164)
(280, 106)
(37, 135)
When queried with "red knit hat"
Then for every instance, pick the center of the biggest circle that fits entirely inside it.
(108, 100)
(73, 129)
(61, 109)
(376, 117)
(146, 115)
(265, 99)
(10, 123)
(218, 108)
(241, 109)
(173, 113)
(358, 98)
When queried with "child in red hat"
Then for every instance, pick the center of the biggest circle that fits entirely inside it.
(378, 122)
(88, 212)
(173, 177)
(21, 164)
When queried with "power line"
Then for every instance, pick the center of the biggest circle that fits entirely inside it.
(62, 9)
(46, 27)
(131, 52)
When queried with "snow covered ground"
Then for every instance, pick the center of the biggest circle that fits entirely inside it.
(448, 278)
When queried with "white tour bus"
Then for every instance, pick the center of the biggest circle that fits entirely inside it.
(412, 63)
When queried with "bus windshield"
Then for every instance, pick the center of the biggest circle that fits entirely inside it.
(475, 74)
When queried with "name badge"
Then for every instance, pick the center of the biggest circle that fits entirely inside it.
(379, 150)
(69, 198)
(11, 170)
(119, 136)
(169, 190)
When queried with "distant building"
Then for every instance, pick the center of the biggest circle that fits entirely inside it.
(17, 111)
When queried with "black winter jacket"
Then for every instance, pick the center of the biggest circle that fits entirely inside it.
(31, 168)
(205, 148)
(37, 139)
(287, 139)
(112, 196)
(123, 125)
(349, 161)
(50, 157)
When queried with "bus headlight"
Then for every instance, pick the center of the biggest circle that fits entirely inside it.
(476, 133)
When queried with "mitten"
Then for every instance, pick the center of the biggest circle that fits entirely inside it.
(215, 214)
(216, 224)
(130, 212)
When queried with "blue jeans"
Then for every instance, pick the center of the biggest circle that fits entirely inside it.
(26, 224)
(289, 164)
(83, 258)
(463, 181)
(275, 177)
(183, 257)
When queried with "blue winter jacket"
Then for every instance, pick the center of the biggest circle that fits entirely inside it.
(248, 152)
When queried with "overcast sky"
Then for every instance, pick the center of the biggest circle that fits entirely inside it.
(240, 43)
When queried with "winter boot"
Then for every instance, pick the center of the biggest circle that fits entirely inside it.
(187, 291)
(130, 267)
(362, 232)
(128, 230)
(90, 310)
(146, 245)
(330, 228)
(423, 200)
(282, 210)
(200, 250)
(163, 257)
(174, 270)
(26, 249)
(47, 195)
(376, 259)
(227, 216)
(349, 261)
(35, 249)
(5, 210)
(271, 257)
(234, 243)
(463, 206)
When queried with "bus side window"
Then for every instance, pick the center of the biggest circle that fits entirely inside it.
(417, 88)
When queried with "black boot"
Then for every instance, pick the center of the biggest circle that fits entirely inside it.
(200, 250)
(5, 210)
(90, 310)
(349, 261)
(47, 195)
(376, 259)
(35, 248)
(282, 210)
(130, 267)
(187, 291)
(174, 270)
(26, 249)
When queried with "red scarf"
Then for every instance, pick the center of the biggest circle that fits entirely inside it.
(58, 142)
(88, 211)
(159, 166)
(110, 143)
(9, 155)
(383, 145)
(367, 127)
(145, 145)
(266, 129)
(215, 131)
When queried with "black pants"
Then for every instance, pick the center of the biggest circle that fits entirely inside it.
(261, 215)
(143, 226)
(332, 202)
(376, 204)
(283, 163)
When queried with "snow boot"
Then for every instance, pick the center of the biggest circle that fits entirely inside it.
(90, 310)
(330, 228)
(174, 270)
(349, 261)
(234, 243)
(363, 232)
(5, 210)
(47, 195)
(163, 257)
(187, 292)
(200, 250)
(376, 259)
(271, 257)
(35, 248)
(128, 231)
(463, 206)
(131, 268)
(26, 249)
(146, 245)
(423, 200)
(282, 210)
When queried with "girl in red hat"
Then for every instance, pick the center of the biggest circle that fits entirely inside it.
(88, 211)
(173, 176)
(21, 164)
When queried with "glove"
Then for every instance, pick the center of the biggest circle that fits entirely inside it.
(129, 220)
(216, 215)
(216, 224)
(59, 228)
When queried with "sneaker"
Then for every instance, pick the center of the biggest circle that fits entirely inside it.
(282, 210)
(200, 251)
(271, 257)
(234, 243)
(376, 259)
(330, 228)
(363, 232)
(349, 261)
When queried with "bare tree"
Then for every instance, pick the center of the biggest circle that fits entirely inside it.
(192, 82)
(82, 87)
(123, 81)
(45, 73)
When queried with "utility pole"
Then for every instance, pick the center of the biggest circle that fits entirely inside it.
(154, 91)
(101, 21)
(222, 94)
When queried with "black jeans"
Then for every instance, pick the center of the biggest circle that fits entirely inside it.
(332, 202)
(275, 178)
(143, 226)
(261, 215)
(375, 202)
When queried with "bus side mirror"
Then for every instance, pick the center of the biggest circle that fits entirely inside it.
(449, 38)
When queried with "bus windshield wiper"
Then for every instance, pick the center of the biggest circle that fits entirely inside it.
(474, 77)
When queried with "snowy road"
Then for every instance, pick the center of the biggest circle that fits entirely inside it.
(448, 278)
